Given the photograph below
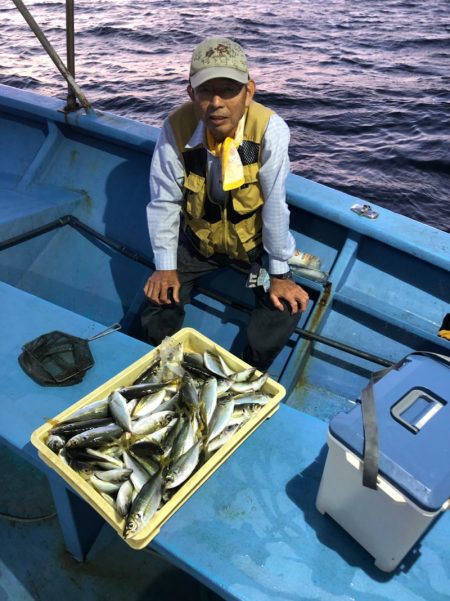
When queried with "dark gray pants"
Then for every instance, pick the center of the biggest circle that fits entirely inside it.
(268, 329)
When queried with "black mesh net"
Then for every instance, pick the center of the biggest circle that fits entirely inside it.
(56, 359)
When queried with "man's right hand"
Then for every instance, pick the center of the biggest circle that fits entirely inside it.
(163, 287)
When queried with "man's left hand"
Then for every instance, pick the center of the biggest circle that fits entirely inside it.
(290, 292)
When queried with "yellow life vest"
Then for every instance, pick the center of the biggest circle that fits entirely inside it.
(233, 228)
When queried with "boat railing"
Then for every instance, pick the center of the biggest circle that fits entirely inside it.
(68, 72)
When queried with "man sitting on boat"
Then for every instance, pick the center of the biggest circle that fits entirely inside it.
(221, 161)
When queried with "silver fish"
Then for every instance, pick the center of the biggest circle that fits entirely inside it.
(103, 486)
(171, 403)
(119, 410)
(183, 467)
(188, 393)
(173, 433)
(223, 437)
(139, 475)
(148, 373)
(245, 375)
(124, 498)
(226, 368)
(221, 417)
(151, 423)
(242, 413)
(149, 403)
(194, 359)
(68, 429)
(171, 389)
(113, 450)
(251, 398)
(311, 274)
(253, 385)
(196, 366)
(154, 443)
(214, 365)
(104, 465)
(137, 391)
(148, 464)
(144, 506)
(223, 386)
(131, 405)
(304, 259)
(55, 443)
(115, 475)
(93, 410)
(105, 457)
(237, 421)
(108, 498)
(84, 468)
(184, 440)
(208, 400)
(95, 437)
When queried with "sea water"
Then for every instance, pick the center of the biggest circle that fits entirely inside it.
(363, 84)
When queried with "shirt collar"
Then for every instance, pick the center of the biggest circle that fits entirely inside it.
(198, 137)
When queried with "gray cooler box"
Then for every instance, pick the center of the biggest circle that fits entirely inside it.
(413, 485)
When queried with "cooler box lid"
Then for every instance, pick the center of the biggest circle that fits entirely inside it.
(412, 406)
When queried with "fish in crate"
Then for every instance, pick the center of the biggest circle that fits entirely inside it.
(138, 446)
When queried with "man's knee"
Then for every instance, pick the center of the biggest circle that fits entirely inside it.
(267, 334)
(159, 321)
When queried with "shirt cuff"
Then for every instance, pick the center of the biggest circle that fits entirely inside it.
(278, 267)
(165, 260)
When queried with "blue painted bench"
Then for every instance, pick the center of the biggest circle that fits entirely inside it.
(251, 532)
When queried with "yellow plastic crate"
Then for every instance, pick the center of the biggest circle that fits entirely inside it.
(192, 341)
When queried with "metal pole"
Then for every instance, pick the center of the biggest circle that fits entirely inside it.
(53, 54)
(304, 333)
(70, 44)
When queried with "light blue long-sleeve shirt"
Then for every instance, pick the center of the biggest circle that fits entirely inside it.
(166, 188)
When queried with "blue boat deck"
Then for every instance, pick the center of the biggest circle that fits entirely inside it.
(251, 532)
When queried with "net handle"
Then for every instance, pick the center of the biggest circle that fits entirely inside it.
(112, 328)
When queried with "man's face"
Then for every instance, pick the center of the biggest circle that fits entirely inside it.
(220, 103)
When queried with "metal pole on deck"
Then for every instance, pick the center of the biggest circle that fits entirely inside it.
(70, 44)
(53, 54)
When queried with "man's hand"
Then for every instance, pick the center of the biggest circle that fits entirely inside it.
(289, 291)
(163, 287)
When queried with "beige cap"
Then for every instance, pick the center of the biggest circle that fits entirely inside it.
(218, 57)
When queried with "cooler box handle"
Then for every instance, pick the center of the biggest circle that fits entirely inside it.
(416, 408)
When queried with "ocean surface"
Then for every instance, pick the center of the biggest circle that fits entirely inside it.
(363, 84)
